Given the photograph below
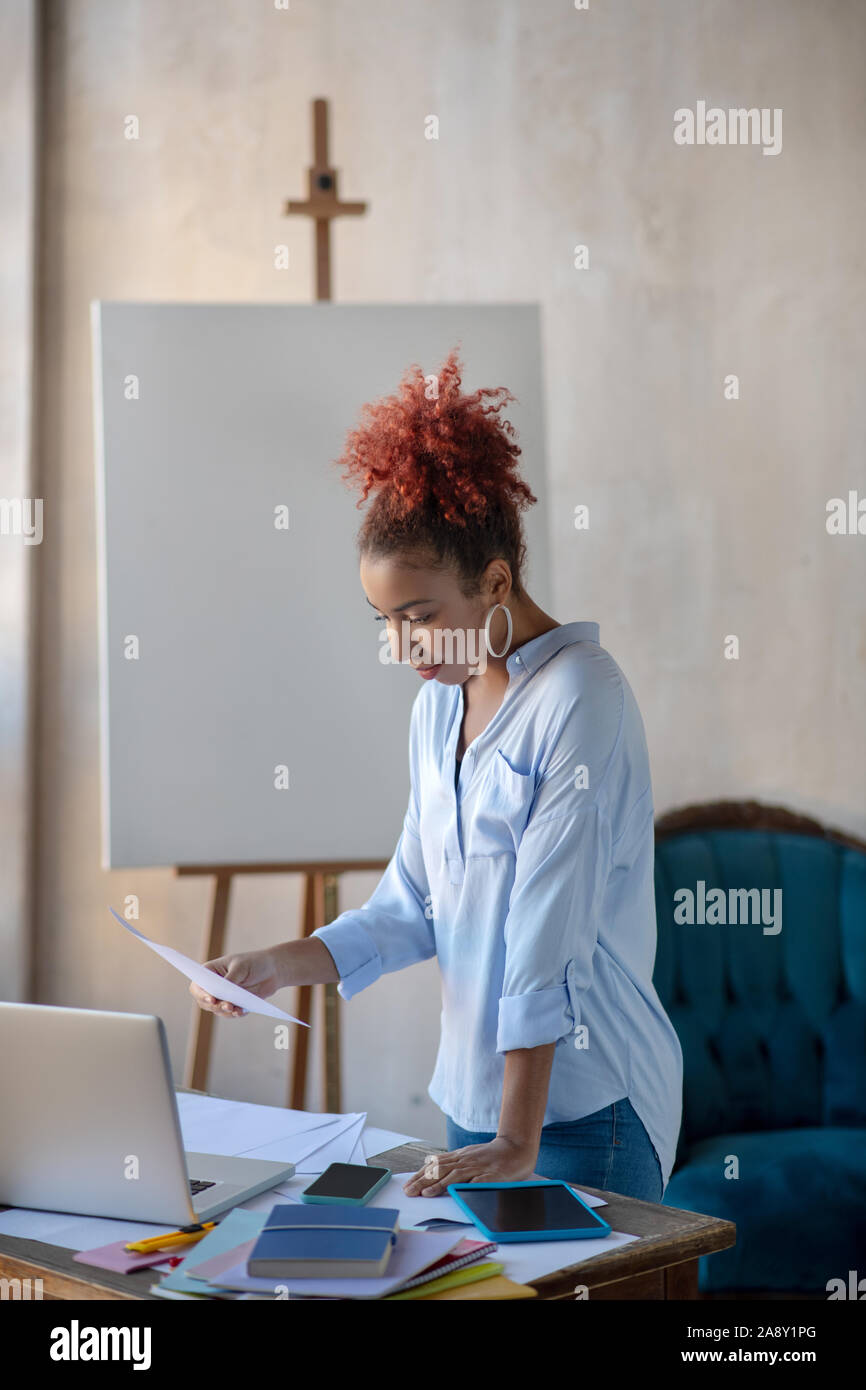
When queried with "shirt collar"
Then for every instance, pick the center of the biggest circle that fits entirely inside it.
(540, 649)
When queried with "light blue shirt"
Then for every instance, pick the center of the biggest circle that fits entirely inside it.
(532, 882)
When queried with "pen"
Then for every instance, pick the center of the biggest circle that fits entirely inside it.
(187, 1235)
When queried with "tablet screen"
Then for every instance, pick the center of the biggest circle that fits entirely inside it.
(547, 1208)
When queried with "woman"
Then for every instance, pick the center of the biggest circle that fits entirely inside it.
(525, 863)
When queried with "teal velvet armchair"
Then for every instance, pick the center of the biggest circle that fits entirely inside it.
(761, 965)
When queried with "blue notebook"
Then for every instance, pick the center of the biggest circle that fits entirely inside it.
(335, 1242)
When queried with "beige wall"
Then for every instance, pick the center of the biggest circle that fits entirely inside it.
(19, 489)
(707, 516)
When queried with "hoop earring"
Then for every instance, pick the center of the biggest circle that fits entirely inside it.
(487, 629)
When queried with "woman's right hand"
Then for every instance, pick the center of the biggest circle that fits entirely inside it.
(257, 971)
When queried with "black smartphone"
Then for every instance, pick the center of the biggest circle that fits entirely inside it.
(350, 1183)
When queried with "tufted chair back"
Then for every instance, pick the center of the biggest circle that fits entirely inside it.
(772, 1022)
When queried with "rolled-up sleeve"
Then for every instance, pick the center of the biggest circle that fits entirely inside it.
(394, 928)
(551, 928)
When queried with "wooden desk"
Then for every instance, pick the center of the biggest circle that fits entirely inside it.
(663, 1264)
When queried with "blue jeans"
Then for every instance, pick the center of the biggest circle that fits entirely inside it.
(609, 1149)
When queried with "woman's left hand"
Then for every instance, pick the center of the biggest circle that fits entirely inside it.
(501, 1160)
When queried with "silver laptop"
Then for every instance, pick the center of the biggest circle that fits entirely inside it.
(89, 1122)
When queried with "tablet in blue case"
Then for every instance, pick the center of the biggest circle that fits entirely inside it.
(535, 1210)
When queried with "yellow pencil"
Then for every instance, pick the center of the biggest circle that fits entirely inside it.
(170, 1238)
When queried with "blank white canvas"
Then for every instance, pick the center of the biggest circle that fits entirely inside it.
(257, 648)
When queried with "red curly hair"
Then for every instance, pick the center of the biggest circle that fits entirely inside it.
(444, 472)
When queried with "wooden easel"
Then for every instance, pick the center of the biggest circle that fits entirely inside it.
(320, 879)
(322, 203)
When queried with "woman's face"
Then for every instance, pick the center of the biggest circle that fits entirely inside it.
(431, 624)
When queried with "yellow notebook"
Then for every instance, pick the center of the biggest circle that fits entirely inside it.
(467, 1275)
(497, 1287)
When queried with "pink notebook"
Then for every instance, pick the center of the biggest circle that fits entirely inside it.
(115, 1256)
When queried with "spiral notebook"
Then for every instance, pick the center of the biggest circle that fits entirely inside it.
(467, 1252)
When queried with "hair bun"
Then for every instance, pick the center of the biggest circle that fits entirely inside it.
(431, 445)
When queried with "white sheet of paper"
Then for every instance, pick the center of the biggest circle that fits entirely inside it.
(327, 1145)
(415, 1209)
(70, 1231)
(212, 1125)
(339, 1149)
(304, 1150)
(209, 980)
(266, 1200)
(378, 1141)
(87, 1232)
(528, 1260)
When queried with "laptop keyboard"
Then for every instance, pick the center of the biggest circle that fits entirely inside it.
(197, 1185)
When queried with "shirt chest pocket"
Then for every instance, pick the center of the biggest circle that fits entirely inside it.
(502, 809)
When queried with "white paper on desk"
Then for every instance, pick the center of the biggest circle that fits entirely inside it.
(338, 1149)
(308, 1150)
(73, 1232)
(339, 1140)
(414, 1210)
(347, 1147)
(314, 1165)
(209, 980)
(378, 1141)
(528, 1260)
(233, 1128)
(359, 1153)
